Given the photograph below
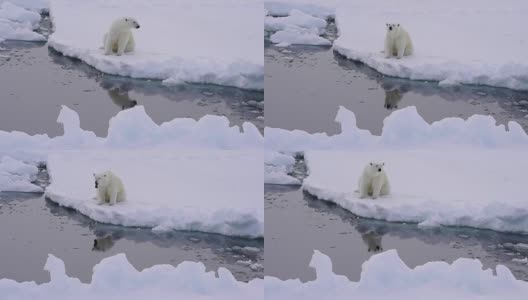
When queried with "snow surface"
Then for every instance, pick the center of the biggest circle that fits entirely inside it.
(18, 23)
(220, 167)
(204, 41)
(386, 274)
(296, 28)
(200, 190)
(482, 43)
(115, 278)
(17, 176)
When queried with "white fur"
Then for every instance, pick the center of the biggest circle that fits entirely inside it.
(374, 181)
(119, 38)
(110, 188)
(397, 42)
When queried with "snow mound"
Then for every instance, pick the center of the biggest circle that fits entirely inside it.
(200, 190)
(133, 128)
(481, 188)
(323, 9)
(296, 28)
(458, 53)
(174, 42)
(18, 23)
(115, 278)
(386, 274)
(17, 176)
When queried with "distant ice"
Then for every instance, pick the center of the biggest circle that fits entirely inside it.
(277, 166)
(17, 176)
(115, 278)
(323, 9)
(296, 28)
(386, 276)
(18, 23)
(202, 41)
(459, 52)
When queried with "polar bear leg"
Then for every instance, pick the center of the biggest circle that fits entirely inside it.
(388, 49)
(131, 45)
(121, 196)
(122, 43)
(385, 189)
(376, 187)
(363, 189)
(400, 47)
(113, 196)
(108, 45)
(101, 196)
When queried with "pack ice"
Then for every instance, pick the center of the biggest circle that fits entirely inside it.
(203, 41)
(115, 278)
(19, 19)
(469, 42)
(183, 174)
(386, 274)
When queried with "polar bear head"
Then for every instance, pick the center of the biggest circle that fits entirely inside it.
(376, 168)
(102, 180)
(393, 29)
(131, 22)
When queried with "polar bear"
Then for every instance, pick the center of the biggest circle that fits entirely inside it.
(119, 38)
(110, 188)
(374, 181)
(397, 42)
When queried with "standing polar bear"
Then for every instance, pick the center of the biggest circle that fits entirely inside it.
(397, 42)
(119, 38)
(373, 182)
(110, 188)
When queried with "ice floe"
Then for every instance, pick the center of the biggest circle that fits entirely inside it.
(451, 53)
(174, 42)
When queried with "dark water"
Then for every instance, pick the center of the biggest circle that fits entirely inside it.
(304, 87)
(35, 81)
(31, 227)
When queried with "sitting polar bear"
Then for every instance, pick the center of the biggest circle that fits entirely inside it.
(119, 38)
(110, 188)
(397, 42)
(373, 182)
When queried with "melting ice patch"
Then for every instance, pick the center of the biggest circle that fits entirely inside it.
(386, 274)
(174, 42)
(115, 278)
(458, 52)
